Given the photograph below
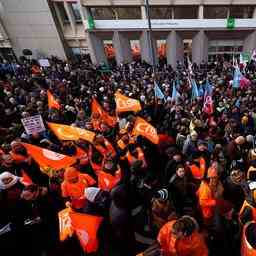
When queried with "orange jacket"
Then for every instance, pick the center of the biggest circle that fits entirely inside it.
(246, 247)
(206, 200)
(193, 245)
(76, 191)
(198, 172)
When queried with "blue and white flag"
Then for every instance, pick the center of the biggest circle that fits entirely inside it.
(237, 78)
(195, 92)
(158, 93)
(175, 93)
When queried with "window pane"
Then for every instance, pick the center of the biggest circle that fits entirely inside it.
(242, 12)
(62, 11)
(215, 12)
(160, 12)
(128, 12)
(76, 12)
(102, 13)
(185, 12)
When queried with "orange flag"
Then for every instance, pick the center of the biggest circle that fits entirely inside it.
(47, 158)
(97, 109)
(66, 132)
(86, 228)
(65, 226)
(143, 128)
(124, 104)
(52, 102)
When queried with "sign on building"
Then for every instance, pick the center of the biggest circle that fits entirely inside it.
(33, 124)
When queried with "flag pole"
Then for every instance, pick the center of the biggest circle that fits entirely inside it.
(150, 38)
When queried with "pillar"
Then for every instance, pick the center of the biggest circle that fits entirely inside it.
(146, 54)
(143, 12)
(200, 47)
(71, 16)
(250, 43)
(174, 49)
(122, 48)
(201, 12)
(96, 48)
(254, 13)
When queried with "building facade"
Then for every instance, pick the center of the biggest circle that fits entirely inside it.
(118, 30)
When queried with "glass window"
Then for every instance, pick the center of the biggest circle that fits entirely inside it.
(241, 12)
(128, 12)
(62, 12)
(185, 12)
(160, 12)
(76, 12)
(215, 12)
(103, 13)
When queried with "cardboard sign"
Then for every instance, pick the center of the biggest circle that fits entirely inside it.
(33, 124)
(44, 63)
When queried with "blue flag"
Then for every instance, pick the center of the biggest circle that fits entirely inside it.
(208, 88)
(237, 78)
(175, 93)
(201, 91)
(195, 92)
(158, 92)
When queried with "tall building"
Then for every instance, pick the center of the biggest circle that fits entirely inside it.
(118, 29)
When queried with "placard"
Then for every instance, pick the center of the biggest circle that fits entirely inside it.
(44, 63)
(33, 124)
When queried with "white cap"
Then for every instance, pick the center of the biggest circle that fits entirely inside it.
(91, 193)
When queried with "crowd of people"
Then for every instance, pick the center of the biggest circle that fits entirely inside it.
(192, 193)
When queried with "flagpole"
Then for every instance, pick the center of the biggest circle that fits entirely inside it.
(150, 38)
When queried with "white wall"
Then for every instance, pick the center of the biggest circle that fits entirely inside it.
(29, 24)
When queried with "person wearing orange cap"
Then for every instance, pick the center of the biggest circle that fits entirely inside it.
(181, 238)
(73, 186)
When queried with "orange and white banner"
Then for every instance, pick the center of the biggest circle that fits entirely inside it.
(65, 226)
(125, 104)
(86, 228)
(97, 109)
(143, 128)
(52, 102)
(66, 132)
(49, 159)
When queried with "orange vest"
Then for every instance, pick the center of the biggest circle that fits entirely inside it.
(245, 204)
(198, 172)
(206, 200)
(193, 245)
(246, 248)
(106, 181)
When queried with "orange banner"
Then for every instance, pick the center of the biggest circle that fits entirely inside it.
(97, 109)
(86, 228)
(65, 226)
(52, 102)
(66, 132)
(49, 159)
(124, 104)
(146, 130)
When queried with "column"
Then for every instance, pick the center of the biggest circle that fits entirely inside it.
(200, 12)
(146, 54)
(174, 49)
(250, 43)
(200, 47)
(71, 16)
(122, 48)
(254, 13)
(143, 12)
(96, 48)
